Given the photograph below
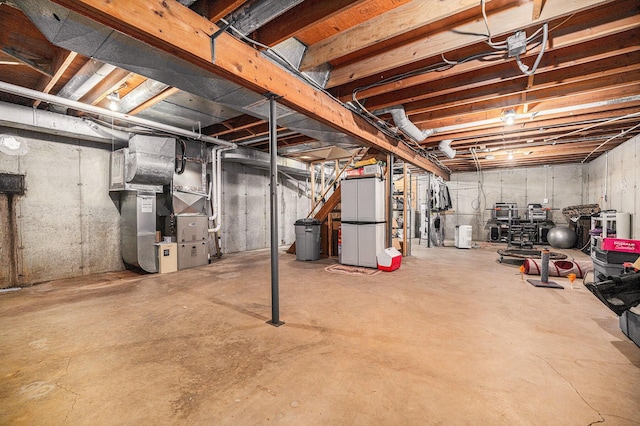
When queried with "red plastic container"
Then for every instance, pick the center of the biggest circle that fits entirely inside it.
(389, 260)
(619, 244)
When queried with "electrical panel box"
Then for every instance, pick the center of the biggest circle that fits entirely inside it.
(517, 44)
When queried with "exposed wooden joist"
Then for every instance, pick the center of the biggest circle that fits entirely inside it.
(489, 97)
(502, 22)
(397, 21)
(43, 67)
(559, 101)
(537, 9)
(346, 19)
(502, 75)
(299, 18)
(183, 33)
(560, 57)
(154, 100)
(111, 83)
(552, 125)
(218, 9)
(61, 62)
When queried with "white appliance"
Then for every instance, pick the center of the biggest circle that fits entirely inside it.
(363, 221)
(463, 236)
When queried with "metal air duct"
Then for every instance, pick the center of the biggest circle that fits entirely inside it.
(74, 32)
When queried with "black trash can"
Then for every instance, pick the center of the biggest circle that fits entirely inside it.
(308, 239)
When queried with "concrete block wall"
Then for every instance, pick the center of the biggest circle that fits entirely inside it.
(561, 185)
(246, 206)
(66, 225)
(613, 181)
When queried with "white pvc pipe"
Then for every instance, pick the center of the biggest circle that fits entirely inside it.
(212, 184)
(217, 187)
(45, 97)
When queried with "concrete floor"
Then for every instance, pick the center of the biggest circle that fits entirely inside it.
(453, 337)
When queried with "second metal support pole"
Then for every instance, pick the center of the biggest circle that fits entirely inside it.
(273, 151)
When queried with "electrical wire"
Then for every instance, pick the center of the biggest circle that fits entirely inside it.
(525, 70)
(599, 123)
(372, 119)
(621, 134)
(498, 46)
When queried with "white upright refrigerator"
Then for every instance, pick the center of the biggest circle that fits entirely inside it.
(363, 220)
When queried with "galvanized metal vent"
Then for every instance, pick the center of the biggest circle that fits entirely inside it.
(261, 108)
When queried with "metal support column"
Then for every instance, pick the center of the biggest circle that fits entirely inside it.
(428, 210)
(273, 151)
(390, 201)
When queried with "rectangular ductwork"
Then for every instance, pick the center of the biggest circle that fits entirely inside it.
(137, 174)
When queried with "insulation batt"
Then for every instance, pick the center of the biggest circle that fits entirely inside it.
(559, 268)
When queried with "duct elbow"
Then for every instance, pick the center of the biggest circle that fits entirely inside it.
(402, 121)
(445, 147)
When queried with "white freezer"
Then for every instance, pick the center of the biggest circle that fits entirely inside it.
(361, 243)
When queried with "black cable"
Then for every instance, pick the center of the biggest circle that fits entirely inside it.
(183, 148)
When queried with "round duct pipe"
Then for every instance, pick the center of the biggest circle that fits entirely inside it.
(445, 147)
(45, 97)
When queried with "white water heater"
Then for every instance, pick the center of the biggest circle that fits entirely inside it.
(463, 236)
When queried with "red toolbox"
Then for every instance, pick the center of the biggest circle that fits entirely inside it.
(619, 244)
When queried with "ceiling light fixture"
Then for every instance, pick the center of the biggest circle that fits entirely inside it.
(490, 157)
(114, 98)
(510, 156)
(509, 116)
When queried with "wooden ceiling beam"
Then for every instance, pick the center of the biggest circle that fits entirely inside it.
(111, 83)
(184, 34)
(568, 52)
(553, 66)
(503, 22)
(214, 10)
(299, 18)
(552, 126)
(611, 88)
(166, 93)
(61, 62)
(393, 23)
(348, 18)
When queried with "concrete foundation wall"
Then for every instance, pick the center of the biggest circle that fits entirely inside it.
(65, 225)
(613, 181)
(246, 206)
(471, 205)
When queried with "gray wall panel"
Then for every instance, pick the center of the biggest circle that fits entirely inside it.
(564, 187)
(66, 223)
(246, 207)
(621, 185)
